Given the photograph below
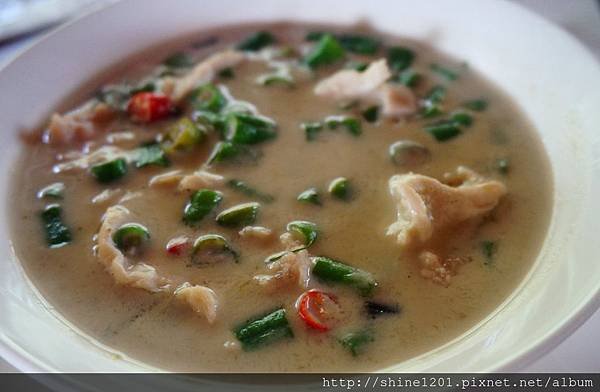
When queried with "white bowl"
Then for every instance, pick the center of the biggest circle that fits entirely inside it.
(547, 72)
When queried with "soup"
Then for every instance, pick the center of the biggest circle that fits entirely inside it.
(283, 198)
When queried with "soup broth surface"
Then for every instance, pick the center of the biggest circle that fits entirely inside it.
(496, 251)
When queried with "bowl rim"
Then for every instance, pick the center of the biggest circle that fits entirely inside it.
(588, 306)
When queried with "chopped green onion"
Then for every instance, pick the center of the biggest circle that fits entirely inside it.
(311, 129)
(201, 204)
(208, 97)
(409, 78)
(115, 96)
(178, 60)
(477, 105)
(54, 191)
(327, 51)
(226, 73)
(462, 118)
(503, 165)
(151, 154)
(355, 342)
(208, 121)
(275, 78)
(248, 129)
(340, 188)
(240, 215)
(224, 151)
(109, 171)
(371, 114)
(256, 41)
(311, 196)
(359, 66)
(443, 130)
(431, 103)
(130, 236)
(263, 330)
(489, 249)
(210, 246)
(444, 72)
(57, 233)
(143, 87)
(408, 153)
(183, 135)
(314, 35)
(307, 230)
(350, 123)
(400, 58)
(360, 44)
(330, 270)
(249, 191)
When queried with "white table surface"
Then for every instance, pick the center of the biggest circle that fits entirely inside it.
(581, 351)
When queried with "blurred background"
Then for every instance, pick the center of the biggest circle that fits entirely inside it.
(24, 21)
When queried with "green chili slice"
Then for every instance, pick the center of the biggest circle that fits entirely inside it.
(311, 196)
(307, 230)
(183, 135)
(57, 233)
(248, 129)
(355, 342)
(351, 124)
(311, 129)
(209, 247)
(371, 114)
(130, 236)
(109, 171)
(340, 188)
(240, 215)
(207, 97)
(443, 130)
(201, 204)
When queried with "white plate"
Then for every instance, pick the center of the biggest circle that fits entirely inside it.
(552, 77)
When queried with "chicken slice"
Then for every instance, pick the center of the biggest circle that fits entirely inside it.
(200, 179)
(256, 232)
(202, 300)
(204, 72)
(169, 178)
(349, 84)
(369, 86)
(79, 125)
(292, 268)
(138, 275)
(426, 206)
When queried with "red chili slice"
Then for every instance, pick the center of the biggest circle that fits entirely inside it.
(316, 308)
(178, 245)
(148, 107)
